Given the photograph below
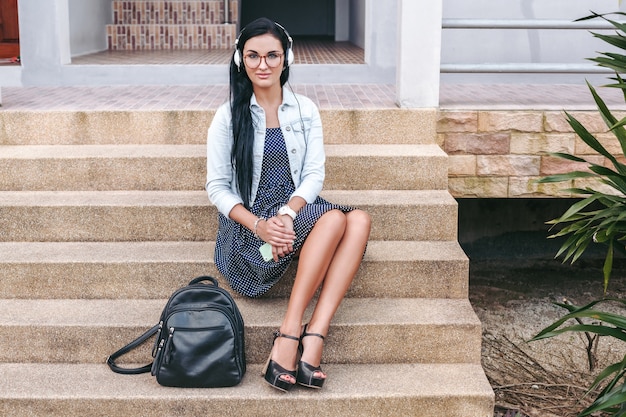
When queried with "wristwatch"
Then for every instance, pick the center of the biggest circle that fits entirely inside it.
(288, 211)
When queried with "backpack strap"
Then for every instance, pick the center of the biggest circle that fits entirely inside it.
(204, 278)
(132, 345)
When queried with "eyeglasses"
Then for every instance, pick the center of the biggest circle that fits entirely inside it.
(273, 60)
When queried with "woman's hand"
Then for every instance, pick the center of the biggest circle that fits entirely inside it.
(278, 232)
(281, 251)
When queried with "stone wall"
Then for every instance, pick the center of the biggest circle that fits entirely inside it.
(501, 154)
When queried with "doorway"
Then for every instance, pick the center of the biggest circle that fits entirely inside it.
(302, 18)
(9, 30)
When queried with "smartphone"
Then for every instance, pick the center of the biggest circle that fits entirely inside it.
(266, 252)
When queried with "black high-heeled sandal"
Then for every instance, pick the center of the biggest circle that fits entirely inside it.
(273, 371)
(306, 372)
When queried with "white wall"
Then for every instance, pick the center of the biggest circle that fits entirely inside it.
(524, 46)
(527, 9)
(357, 22)
(381, 38)
(418, 53)
(342, 20)
(44, 40)
(88, 20)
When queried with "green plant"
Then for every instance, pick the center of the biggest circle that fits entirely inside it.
(612, 398)
(599, 217)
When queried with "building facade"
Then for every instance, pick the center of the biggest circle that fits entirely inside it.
(412, 44)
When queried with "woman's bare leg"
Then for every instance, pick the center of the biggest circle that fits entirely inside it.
(341, 271)
(315, 258)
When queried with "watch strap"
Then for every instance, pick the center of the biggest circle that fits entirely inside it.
(288, 210)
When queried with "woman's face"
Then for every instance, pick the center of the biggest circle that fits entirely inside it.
(263, 58)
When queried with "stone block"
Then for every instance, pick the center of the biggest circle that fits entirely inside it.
(440, 139)
(591, 120)
(457, 121)
(596, 185)
(498, 121)
(529, 187)
(478, 187)
(556, 122)
(552, 165)
(539, 143)
(508, 165)
(462, 165)
(608, 140)
(620, 159)
(477, 143)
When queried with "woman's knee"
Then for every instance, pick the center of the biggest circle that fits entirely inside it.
(359, 220)
(334, 219)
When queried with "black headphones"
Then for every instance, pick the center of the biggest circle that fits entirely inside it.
(237, 58)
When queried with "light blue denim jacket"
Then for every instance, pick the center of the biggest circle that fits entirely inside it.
(302, 129)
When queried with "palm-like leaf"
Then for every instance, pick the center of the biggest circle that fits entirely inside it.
(605, 324)
(605, 225)
(600, 218)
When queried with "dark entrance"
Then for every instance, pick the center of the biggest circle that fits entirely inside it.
(302, 18)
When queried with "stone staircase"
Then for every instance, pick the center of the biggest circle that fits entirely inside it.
(168, 25)
(103, 215)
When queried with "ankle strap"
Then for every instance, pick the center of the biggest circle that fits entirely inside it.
(305, 334)
(277, 334)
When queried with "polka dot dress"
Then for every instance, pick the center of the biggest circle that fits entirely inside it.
(237, 253)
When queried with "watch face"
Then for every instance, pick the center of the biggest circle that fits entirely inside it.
(286, 210)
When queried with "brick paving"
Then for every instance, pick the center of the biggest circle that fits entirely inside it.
(526, 96)
(328, 96)
(181, 97)
(307, 51)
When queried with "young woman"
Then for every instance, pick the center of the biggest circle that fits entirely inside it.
(265, 170)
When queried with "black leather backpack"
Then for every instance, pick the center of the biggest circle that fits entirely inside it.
(199, 340)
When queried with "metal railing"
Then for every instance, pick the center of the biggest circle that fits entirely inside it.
(524, 24)
(528, 68)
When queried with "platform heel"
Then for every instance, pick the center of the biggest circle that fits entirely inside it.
(273, 371)
(306, 372)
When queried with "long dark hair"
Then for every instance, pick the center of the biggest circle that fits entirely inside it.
(240, 95)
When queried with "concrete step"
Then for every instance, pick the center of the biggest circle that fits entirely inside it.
(150, 270)
(425, 390)
(183, 167)
(395, 330)
(41, 216)
(178, 127)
